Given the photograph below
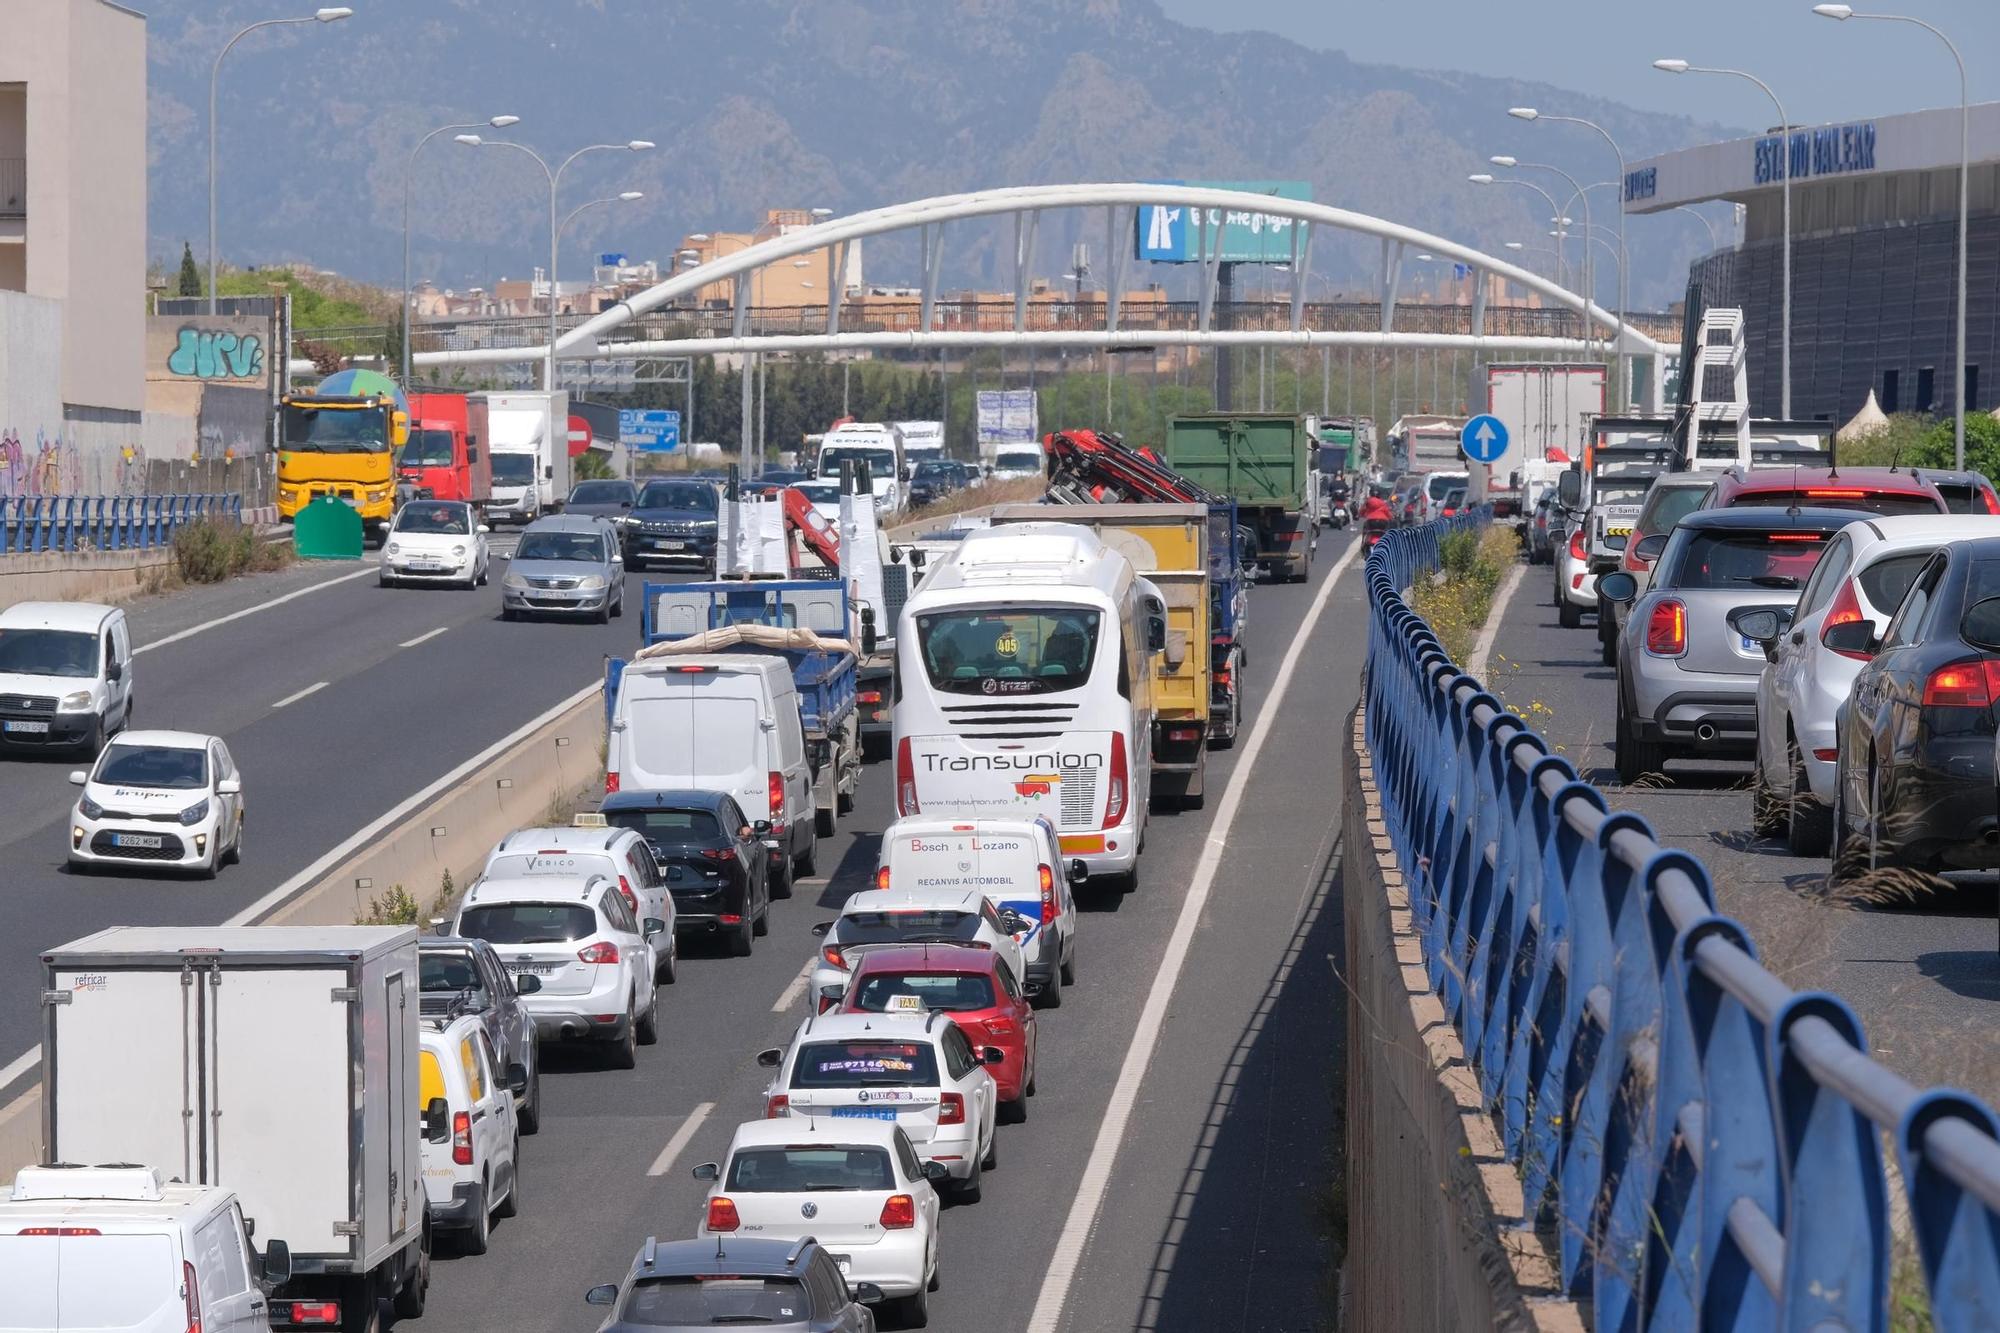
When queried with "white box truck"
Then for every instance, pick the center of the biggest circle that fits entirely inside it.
(277, 1062)
(1547, 408)
(528, 440)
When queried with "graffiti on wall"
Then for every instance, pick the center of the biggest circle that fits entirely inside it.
(51, 466)
(212, 355)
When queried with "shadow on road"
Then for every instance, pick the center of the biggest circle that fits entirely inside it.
(1971, 973)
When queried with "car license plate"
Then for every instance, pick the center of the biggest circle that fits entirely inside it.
(141, 840)
(31, 728)
(670, 546)
(864, 1113)
(533, 969)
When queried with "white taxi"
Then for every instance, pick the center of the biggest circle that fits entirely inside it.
(171, 799)
(858, 1188)
(472, 1133)
(877, 918)
(910, 1067)
(435, 541)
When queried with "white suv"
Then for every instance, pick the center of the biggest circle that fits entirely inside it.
(591, 966)
(472, 1133)
(908, 1066)
(590, 847)
(876, 918)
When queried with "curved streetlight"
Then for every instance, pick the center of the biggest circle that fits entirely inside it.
(1785, 159)
(409, 169)
(1590, 265)
(330, 14)
(1530, 113)
(1702, 218)
(1488, 178)
(1845, 12)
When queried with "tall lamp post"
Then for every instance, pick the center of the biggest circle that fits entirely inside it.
(1844, 12)
(1488, 178)
(554, 175)
(331, 14)
(1785, 158)
(409, 170)
(1530, 113)
(1590, 266)
(1713, 244)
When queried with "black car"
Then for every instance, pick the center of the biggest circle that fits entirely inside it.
(460, 976)
(712, 855)
(673, 524)
(606, 499)
(934, 479)
(788, 1286)
(1914, 772)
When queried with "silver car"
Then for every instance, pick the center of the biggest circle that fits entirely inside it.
(1687, 676)
(569, 564)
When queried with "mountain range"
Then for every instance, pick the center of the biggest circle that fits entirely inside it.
(842, 104)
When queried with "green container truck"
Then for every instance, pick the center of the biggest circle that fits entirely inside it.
(1267, 463)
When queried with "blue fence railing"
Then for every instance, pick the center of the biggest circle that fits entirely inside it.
(31, 524)
(1704, 1141)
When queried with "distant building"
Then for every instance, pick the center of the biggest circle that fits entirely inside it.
(799, 281)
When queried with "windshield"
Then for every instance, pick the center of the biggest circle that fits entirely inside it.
(668, 828)
(436, 517)
(528, 923)
(48, 652)
(862, 1064)
(911, 927)
(172, 768)
(578, 547)
(679, 495)
(513, 469)
(703, 1301)
(820, 492)
(1886, 503)
(1620, 490)
(602, 493)
(952, 992)
(1711, 558)
(935, 469)
(337, 430)
(426, 448)
(1017, 650)
(1671, 504)
(1440, 484)
(801, 1170)
(1018, 461)
(881, 462)
(452, 972)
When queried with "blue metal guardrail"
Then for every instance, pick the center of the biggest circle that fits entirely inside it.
(1704, 1140)
(32, 524)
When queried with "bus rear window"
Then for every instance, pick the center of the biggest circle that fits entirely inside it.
(997, 652)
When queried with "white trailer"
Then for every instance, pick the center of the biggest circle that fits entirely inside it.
(1548, 408)
(277, 1062)
(529, 445)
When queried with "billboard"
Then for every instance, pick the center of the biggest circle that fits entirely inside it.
(1008, 416)
(1177, 234)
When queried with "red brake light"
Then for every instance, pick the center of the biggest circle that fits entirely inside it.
(899, 1213)
(719, 853)
(906, 780)
(951, 1109)
(776, 1106)
(461, 1138)
(611, 781)
(1846, 609)
(631, 898)
(1989, 500)
(1577, 549)
(1666, 629)
(776, 791)
(722, 1214)
(193, 1298)
(1964, 685)
(1834, 493)
(869, 696)
(1048, 879)
(1119, 789)
(882, 877)
(1798, 537)
(604, 951)
(315, 1312)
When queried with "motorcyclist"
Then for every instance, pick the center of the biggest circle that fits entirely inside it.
(1374, 509)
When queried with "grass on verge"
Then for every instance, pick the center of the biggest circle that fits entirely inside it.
(1455, 600)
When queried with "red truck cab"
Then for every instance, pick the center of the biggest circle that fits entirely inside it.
(446, 458)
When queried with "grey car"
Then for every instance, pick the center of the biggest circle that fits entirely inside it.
(1687, 677)
(612, 499)
(460, 976)
(570, 565)
(787, 1286)
(1674, 495)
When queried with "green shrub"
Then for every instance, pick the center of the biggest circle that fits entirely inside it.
(1455, 600)
(210, 550)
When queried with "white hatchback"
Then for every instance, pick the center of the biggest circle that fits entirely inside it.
(166, 799)
(858, 1188)
(875, 918)
(580, 962)
(435, 541)
(472, 1133)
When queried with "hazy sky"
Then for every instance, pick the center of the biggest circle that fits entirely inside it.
(1823, 70)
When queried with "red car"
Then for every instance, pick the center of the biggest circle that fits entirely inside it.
(975, 986)
(1876, 490)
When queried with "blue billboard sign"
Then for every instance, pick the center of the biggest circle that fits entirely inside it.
(649, 430)
(1179, 234)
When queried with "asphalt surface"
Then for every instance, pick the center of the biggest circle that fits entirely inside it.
(1923, 976)
(1222, 1197)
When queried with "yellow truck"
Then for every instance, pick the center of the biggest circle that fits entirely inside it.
(1168, 546)
(340, 439)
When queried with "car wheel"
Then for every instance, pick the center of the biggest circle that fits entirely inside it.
(413, 1294)
(618, 607)
(1568, 614)
(760, 924)
(361, 1306)
(825, 822)
(1014, 1112)
(1050, 996)
(1844, 866)
(235, 856)
(1635, 757)
(511, 1205)
(991, 1161)
(1068, 968)
(475, 1238)
(670, 966)
(937, 1272)
(914, 1311)
(740, 943)
(1809, 829)
(207, 869)
(780, 881)
(624, 1052)
(507, 613)
(648, 1023)
(603, 616)
(969, 1189)
(806, 863)
(1767, 816)
(531, 1105)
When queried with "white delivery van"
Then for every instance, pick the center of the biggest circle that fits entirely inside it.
(528, 444)
(726, 722)
(115, 1247)
(277, 1062)
(472, 1134)
(65, 675)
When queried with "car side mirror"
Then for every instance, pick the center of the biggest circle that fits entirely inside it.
(1569, 489)
(1012, 921)
(1758, 625)
(936, 1172)
(1650, 546)
(1156, 634)
(439, 926)
(1617, 586)
(761, 827)
(471, 453)
(820, 928)
(655, 926)
(77, 777)
(549, 472)
(277, 1264)
(1856, 637)
(527, 983)
(868, 636)
(437, 1120)
(867, 1293)
(707, 1171)
(1078, 871)
(229, 787)
(770, 1058)
(991, 1055)
(517, 1078)
(484, 528)
(606, 1294)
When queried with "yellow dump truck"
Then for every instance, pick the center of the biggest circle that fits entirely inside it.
(1168, 546)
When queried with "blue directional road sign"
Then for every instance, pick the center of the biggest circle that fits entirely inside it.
(1484, 438)
(649, 430)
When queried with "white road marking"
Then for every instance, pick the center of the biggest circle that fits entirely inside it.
(794, 988)
(665, 1161)
(1088, 1199)
(432, 634)
(207, 625)
(294, 698)
(1482, 648)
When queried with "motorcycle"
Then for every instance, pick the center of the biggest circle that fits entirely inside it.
(1338, 516)
(1373, 528)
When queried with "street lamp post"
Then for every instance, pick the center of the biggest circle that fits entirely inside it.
(1844, 12)
(409, 170)
(1488, 178)
(1785, 133)
(1530, 113)
(1713, 244)
(1590, 266)
(331, 14)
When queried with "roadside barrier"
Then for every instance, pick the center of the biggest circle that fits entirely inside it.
(1704, 1141)
(33, 524)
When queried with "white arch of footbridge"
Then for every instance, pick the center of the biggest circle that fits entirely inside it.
(1025, 204)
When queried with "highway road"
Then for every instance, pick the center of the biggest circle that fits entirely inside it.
(1924, 977)
(1219, 1201)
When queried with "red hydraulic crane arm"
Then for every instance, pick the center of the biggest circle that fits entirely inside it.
(1105, 469)
(820, 536)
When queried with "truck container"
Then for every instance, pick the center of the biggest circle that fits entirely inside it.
(1547, 409)
(277, 1062)
(1267, 464)
(528, 444)
(445, 457)
(1425, 443)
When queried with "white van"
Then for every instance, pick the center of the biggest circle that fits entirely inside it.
(1017, 864)
(65, 675)
(472, 1136)
(726, 722)
(113, 1247)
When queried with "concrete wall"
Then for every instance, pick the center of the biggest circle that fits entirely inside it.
(1434, 1208)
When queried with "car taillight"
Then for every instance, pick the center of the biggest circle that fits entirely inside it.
(1115, 802)
(1666, 628)
(611, 782)
(834, 957)
(604, 951)
(869, 696)
(951, 1109)
(719, 853)
(998, 1027)
(193, 1298)
(461, 1138)
(1577, 549)
(881, 877)
(899, 1213)
(906, 780)
(1845, 610)
(58, 1231)
(1964, 685)
(631, 898)
(315, 1312)
(777, 1106)
(722, 1214)
(1989, 501)
(1048, 879)
(1835, 493)
(775, 790)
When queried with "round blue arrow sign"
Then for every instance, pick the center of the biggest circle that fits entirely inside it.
(1484, 438)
